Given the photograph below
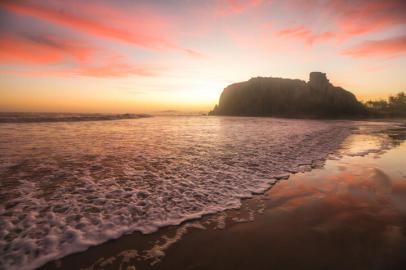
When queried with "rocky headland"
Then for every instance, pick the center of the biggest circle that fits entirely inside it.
(267, 96)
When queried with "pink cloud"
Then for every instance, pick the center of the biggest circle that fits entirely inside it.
(227, 7)
(143, 32)
(101, 71)
(43, 52)
(114, 67)
(306, 35)
(343, 19)
(379, 48)
(360, 17)
(46, 49)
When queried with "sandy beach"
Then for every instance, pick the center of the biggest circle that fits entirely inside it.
(347, 214)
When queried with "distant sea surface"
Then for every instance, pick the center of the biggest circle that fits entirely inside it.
(69, 184)
(63, 117)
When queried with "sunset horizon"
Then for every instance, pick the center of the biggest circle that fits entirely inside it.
(149, 56)
(205, 135)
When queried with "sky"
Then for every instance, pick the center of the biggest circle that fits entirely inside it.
(149, 56)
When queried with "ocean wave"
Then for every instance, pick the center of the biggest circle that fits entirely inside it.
(86, 184)
(64, 117)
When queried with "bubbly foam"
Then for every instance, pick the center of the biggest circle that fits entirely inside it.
(68, 186)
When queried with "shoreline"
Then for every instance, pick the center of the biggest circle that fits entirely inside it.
(101, 256)
(371, 119)
(73, 228)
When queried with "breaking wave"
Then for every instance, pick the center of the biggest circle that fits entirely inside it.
(63, 117)
(67, 187)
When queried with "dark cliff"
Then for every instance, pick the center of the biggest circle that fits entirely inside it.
(263, 96)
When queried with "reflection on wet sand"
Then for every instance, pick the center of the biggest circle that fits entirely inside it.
(350, 214)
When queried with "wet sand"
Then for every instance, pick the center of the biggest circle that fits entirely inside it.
(349, 214)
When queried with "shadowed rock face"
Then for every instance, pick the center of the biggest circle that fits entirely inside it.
(318, 80)
(267, 96)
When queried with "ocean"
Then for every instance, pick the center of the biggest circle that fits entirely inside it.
(66, 185)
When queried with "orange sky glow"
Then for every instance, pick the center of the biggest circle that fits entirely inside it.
(147, 56)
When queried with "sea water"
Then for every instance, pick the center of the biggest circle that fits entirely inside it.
(67, 185)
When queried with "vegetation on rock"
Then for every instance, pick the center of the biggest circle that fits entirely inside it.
(395, 106)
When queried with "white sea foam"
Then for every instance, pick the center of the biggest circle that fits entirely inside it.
(67, 186)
